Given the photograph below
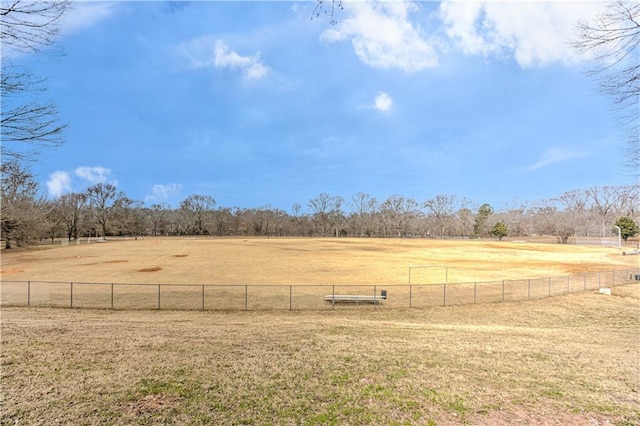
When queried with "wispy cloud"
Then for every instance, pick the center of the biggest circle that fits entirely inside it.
(383, 36)
(554, 155)
(93, 175)
(162, 193)
(251, 66)
(82, 15)
(211, 52)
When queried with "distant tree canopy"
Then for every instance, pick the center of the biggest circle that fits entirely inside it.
(499, 230)
(102, 210)
(628, 227)
(482, 217)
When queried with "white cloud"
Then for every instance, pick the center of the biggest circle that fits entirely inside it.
(383, 102)
(85, 14)
(555, 155)
(160, 193)
(535, 33)
(383, 37)
(93, 175)
(251, 66)
(59, 183)
(207, 51)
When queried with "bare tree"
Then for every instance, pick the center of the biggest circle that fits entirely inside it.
(29, 25)
(23, 215)
(629, 201)
(29, 122)
(442, 208)
(70, 209)
(515, 217)
(157, 217)
(199, 210)
(605, 199)
(329, 11)
(613, 40)
(105, 200)
(397, 212)
(325, 208)
(464, 219)
(363, 207)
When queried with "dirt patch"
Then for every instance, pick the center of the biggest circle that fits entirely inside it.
(151, 404)
(116, 261)
(10, 271)
(153, 269)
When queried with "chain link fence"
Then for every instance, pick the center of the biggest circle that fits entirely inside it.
(299, 297)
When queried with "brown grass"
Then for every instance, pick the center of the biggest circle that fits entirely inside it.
(293, 261)
(566, 360)
(570, 360)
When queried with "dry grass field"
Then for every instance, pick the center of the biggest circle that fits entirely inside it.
(294, 261)
(566, 360)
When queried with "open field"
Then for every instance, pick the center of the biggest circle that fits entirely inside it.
(568, 360)
(571, 359)
(294, 261)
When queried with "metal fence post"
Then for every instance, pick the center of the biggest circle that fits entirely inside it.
(246, 297)
(111, 295)
(158, 296)
(475, 293)
(444, 294)
(549, 286)
(28, 293)
(375, 302)
(503, 290)
(333, 297)
(528, 289)
(290, 297)
(598, 280)
(203, 297)
(71, 294)
(410, 296)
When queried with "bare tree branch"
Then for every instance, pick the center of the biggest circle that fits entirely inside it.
(28, 26)
(28, 123)
(613, 41)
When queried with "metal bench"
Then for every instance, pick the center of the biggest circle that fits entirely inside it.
(356, 298)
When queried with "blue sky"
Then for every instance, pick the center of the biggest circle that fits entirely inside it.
(256, 104)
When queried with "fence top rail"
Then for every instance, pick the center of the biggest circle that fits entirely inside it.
(368, 286)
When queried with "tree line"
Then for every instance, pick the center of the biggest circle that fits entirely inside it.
(103, 211)
(29, 124)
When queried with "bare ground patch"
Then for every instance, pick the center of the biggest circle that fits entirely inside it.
(10, 271)
(150, 404)
(152, 269)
